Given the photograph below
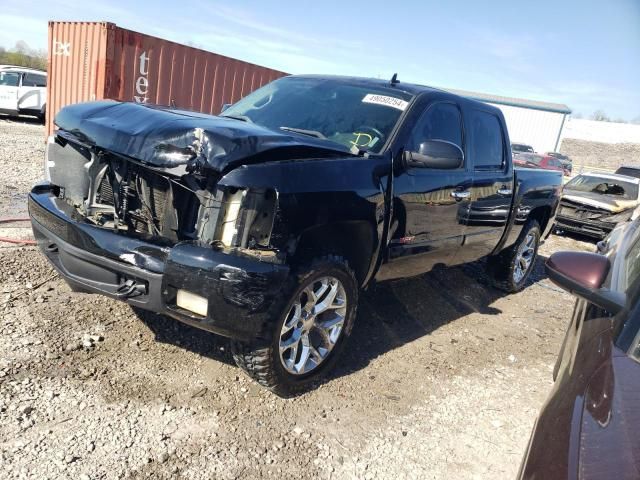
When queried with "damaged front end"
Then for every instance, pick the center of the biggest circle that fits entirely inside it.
(590, 220)
(166, 236)
(114, 192)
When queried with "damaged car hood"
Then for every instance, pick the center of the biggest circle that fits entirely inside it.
(169, 138)
(598, 200)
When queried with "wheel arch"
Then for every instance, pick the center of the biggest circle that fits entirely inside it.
(542, 214)
(356, 241)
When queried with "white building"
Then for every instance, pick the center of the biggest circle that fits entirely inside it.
(538, 124)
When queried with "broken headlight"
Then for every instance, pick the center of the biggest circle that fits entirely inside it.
(243, 218)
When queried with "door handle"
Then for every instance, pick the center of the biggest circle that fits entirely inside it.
(460, 194)
(504, 191)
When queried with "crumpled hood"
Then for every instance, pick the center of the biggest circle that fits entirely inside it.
(598, 200)
(168, 138)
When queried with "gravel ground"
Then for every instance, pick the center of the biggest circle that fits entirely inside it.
(21, 155)
(442, 378)
(585, 154)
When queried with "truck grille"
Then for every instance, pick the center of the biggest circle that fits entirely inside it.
(581, 212)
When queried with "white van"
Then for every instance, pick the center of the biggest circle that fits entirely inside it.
(23, 91)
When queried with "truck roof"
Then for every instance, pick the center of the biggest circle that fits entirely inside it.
(410, 88)
(17, 68)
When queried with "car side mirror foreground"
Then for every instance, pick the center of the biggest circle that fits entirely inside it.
(582, 274)
(435, 154)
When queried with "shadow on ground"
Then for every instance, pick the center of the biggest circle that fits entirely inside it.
(577, 236)
(201, 342)
(21, 119)
(390, 315)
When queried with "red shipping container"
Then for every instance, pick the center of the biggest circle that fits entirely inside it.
(98, 60)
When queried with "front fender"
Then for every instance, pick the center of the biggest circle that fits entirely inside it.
(314, 193)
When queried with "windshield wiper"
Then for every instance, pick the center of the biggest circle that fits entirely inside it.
(242, 118)
(310, 133)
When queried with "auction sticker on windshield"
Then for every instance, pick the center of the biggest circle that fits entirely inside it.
(385, 100)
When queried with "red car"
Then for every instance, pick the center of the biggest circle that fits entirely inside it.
(536, 160)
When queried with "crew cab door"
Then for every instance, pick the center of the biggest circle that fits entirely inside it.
(9, 85)
(492, 190)
(427, 203)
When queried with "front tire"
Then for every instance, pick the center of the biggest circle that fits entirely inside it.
(511, 268)
(303, 340)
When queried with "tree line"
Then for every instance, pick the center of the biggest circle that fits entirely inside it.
(23, 56)
(601, 116)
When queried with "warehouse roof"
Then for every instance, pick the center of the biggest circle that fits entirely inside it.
(513, 102)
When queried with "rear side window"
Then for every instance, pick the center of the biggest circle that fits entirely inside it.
(34, 80)
(441, 121)
(486, 141)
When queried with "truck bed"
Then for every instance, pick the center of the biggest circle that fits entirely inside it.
(535, 187)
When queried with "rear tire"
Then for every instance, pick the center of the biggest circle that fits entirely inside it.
(511, 268)
(273, 364)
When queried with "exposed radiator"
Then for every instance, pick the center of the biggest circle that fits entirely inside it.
(105, 192)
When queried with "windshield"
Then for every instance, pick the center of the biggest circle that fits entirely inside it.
(604, 186)
(9, 79)
(351, 115)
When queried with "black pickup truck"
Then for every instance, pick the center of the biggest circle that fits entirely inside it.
(263, 224)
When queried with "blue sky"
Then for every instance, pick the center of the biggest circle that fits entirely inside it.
(582, 53)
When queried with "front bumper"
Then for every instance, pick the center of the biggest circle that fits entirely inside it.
(147, 274)
(585, 227)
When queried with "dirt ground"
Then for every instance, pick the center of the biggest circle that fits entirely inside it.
(442, 378)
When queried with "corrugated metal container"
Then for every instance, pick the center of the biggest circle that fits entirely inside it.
(98, 60)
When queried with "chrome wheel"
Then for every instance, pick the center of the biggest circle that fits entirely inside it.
(313, 325)
(524, 257)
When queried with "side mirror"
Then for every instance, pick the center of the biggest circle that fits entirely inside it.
(225, 106)
(582, 274)
(435, 154)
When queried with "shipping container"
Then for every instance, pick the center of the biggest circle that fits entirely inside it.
(99, 60)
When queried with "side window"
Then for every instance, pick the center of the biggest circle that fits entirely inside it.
(441, 121)
(9, 79)
(487, 144)
(34, 80)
